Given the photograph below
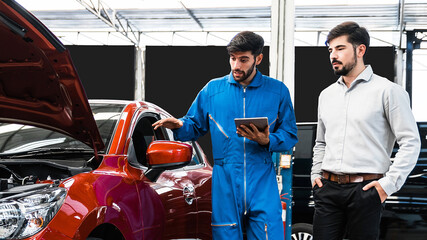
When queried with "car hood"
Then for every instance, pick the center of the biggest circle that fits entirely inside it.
(39, 84)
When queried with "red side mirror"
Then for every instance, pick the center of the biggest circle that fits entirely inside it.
(168, 155)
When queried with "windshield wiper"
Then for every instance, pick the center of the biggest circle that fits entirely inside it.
(46, 151)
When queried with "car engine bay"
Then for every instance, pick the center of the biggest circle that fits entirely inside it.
(23, 175)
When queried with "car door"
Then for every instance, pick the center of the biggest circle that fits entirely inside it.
(201, 174)
(195, 184)
(175, 188)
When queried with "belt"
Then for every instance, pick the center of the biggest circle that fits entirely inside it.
(351, 178)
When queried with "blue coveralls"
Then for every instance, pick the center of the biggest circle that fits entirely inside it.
(244, 181)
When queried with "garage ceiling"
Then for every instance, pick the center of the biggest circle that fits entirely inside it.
(207, 22)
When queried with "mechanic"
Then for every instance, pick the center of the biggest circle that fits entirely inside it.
(360, 117)
(244, 186)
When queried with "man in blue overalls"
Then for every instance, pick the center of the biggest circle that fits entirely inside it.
(244, 187)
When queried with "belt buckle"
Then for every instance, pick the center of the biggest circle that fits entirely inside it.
(342, 179)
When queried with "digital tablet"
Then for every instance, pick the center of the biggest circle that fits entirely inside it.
(260, 122)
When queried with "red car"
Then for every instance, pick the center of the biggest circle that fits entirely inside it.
(70, 169)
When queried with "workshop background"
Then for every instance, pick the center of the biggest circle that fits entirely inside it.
(165, 51)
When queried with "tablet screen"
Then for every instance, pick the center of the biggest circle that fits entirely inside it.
(260, 122)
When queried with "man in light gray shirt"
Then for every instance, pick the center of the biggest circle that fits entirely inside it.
(359, 119)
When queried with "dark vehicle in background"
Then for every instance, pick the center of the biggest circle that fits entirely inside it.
(405, 214)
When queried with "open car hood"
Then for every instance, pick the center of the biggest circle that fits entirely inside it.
(39, 84)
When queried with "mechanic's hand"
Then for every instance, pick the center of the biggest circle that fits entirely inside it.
(317, 182)
(263, 138)
(377, 186)
(171, 123)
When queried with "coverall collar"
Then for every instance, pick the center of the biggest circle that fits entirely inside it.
(256, 82)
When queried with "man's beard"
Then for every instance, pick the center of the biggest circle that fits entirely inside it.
(345, 68)
(245, 74)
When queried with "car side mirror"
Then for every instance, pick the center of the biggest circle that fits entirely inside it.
(166, 155)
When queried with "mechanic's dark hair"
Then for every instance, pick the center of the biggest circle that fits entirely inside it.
(246, 41)
(356, 35)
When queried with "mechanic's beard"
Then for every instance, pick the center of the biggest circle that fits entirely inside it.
(245, 74)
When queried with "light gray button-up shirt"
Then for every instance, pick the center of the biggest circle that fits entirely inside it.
(358, 126)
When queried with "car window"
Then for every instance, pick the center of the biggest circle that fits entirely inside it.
(169, 133)
(143, 135)
(106, 116)
(17, 138)
(196, 159)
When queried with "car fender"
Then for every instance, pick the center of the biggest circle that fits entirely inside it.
(103, 215)
(93, 199)
(125, 200)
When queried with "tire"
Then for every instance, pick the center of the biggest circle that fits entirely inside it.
(302, 231)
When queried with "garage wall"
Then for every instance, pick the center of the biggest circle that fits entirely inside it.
(175, 75)
(313, 73)
(107, 72)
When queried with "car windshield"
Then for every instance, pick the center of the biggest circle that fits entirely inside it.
(17, 138)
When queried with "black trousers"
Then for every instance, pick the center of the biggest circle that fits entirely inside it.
(345, 210)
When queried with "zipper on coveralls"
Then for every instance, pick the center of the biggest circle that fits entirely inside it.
(273, 121)
(244, 150)
(224, 225)
(219, 126)
(266, 232)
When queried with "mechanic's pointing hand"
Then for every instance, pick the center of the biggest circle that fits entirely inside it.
(171, 123)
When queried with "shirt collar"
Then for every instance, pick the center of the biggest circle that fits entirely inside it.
(363, 76)
(256, 82)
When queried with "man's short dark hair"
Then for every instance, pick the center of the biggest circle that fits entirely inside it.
(356, 35)
(246, 41)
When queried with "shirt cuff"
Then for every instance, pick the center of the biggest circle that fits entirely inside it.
(387, 185)
(314, 176)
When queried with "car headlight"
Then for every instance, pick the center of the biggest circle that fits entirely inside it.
(26, 214)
